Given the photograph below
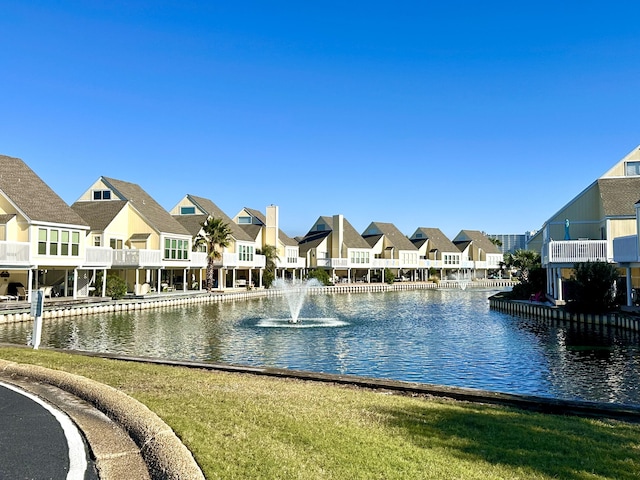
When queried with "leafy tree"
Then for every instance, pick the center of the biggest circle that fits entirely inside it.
(216, 235)
(594, 288)
(271, 255)
(321, 275)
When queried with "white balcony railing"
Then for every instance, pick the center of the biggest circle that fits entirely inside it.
(232, 260)
(298, 262)
(15, 253)
(198, 259)
(625, 249)
(98, 256)
(136, 258)
(575, 251)
(385, 263)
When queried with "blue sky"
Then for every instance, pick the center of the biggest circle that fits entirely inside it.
(457, 115)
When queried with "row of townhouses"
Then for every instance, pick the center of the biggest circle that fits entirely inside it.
(116, 227)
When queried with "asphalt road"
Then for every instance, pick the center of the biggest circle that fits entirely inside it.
(38, 441)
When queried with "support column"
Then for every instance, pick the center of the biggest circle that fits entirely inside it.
(75, 283)
(29, 284)
(159, 280)
(185, 281)
(560, 293)
(629, 288)
(104, 282)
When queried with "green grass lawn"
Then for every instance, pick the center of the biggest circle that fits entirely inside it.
(251, 427)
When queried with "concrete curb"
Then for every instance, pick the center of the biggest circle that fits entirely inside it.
(163, 452)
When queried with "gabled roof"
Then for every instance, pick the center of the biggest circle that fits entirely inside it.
(192, 223)
(479, 239)
(437, 240)
(99, 214)
(32, 196)
(286, 239)
(351, 238)
(283, 237)
(252, 231)
(393, 235)
(372, 240)
(6, 218)
(256, 213)
(151, 210)
(213, 210)
(312, 240)
(619, 195)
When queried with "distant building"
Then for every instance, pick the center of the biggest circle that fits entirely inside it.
(512, 241)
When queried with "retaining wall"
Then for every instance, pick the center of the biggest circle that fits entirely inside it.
(546, 312)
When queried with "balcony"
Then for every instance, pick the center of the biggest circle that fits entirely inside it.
(198, 260)
(575, 251)
(15, 254)
(232, 260)
(98, 257)
(298, 262)
(625, 249)
(136, 258)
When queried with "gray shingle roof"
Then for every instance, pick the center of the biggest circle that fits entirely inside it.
(619, 195)
(394, 236)
(480, 240)
(212, 209)
(252, 230)
(98, 214)
(151, 210)
(437, 240)
(192, 223)
(33, 197)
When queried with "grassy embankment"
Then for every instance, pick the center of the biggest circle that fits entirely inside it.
(244, 426)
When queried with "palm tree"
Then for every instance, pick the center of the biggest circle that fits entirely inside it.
(523, 260)
(216, 235)
(271, 255)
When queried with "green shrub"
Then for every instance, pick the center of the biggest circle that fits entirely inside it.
(321, 275)
(592, 286)
(389, 277)
(116, 287)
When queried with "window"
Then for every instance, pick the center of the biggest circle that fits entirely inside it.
(64, 242)
(187, 210)
(42, 241)
(97, 240)
(75, 244)
(292, 255)
(102, 194)
(176, 249)
(359, 257)
(632, 169)
(58, 242)
(450, 259)
(320, 227)
(115, 243)
(244, 220)
(245, 253)
(53, 242)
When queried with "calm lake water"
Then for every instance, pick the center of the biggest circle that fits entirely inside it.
(447, 337)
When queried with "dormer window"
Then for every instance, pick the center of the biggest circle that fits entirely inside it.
(102, 194)
(632, 169)
(187, 210)
(244, 220)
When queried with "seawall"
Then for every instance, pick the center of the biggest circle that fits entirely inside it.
(546, 312)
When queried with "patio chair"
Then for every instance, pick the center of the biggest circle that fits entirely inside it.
(22, 293)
